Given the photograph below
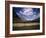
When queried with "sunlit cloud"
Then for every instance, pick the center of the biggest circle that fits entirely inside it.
(27, 11)
(27, 14)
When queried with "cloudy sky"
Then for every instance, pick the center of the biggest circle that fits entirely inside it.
(27, 13)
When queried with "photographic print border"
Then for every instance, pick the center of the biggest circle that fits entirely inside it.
(7, 18)
(25, 31)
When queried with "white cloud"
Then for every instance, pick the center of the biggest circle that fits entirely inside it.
(27, 11)
(27, 14)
